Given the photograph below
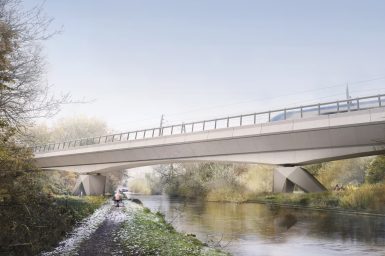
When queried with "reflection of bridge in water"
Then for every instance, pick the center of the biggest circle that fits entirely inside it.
(285, 137)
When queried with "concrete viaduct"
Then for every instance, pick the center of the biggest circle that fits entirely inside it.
(288, 138)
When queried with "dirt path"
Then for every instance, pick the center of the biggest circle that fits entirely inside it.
(95, 236)
(101, 242)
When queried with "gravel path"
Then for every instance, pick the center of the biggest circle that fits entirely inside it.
(95, 235)
(102, 241)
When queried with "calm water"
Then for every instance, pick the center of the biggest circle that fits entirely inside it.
(257, 229)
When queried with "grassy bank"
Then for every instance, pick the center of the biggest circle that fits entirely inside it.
(77, 208)
(149, 234)
(365, 198)
(39, 224)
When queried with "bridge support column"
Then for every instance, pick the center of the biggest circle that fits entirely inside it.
(90, 185)
(285, 178)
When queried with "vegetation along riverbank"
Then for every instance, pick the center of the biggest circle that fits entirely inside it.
(366, 199)
(39, 223)
(129, 229)
(361, 183)
(148, 233)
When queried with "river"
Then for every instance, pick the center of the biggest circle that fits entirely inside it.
(258, 229)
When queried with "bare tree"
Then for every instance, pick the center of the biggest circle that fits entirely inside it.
(23, 95)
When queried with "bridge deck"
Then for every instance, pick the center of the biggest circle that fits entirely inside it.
(286, 142)
(252, 120)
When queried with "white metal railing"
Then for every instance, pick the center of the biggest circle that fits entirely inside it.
(225, 122)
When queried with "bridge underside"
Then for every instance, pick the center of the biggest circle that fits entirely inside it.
(305, 157)
(284, 181)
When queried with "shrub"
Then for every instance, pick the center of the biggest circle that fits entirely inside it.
(367, 197)
(351, 171)
(376, 170)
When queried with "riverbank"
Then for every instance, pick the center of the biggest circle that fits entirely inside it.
(148, 233)
(367, 199)
(129, 230)
(315, 208)
(250, 229)
(77, 208)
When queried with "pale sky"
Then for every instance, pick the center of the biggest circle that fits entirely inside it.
(200, 59)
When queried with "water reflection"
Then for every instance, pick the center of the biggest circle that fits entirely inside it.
(255, 229)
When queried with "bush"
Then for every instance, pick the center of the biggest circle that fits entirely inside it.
(227, 194)
(28, 227)
(376, 170)
(366, 197)
(351, 171)
(215, 182)
(140, 185)
(304, 201)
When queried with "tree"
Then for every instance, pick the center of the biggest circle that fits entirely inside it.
(23, 97)
(66, 129)
(24, 208)
(342, 172)
(376, 170)
(213, 181)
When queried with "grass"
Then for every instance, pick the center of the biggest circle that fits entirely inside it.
(325, 199)
(77, 208)
(367, 197)
(226, 194)
(42, 222)
(149, 234)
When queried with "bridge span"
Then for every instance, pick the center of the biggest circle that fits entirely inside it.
(287, 137)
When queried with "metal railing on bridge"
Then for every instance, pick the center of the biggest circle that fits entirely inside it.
(225, 122)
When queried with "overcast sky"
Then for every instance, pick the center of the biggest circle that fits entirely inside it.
(194, 59)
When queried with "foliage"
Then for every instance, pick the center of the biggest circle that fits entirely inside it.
(32, 221)
(149, 184)
(150, 234)
(57, 182)
(342, 172)
(30, 218)
(114, 179)
(315, 169)
(154, 183)
(376, 170)
(66, 129)
(79, 207)
(69, 129)
(140, 186)
(238, 183)
(22, 96)
(258, 179)
(214, 181)
(365, 197)
(188, 180)
(318, 200)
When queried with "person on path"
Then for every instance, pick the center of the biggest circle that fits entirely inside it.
(117, 198)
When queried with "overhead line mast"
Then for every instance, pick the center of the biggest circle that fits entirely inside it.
(161, 125)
